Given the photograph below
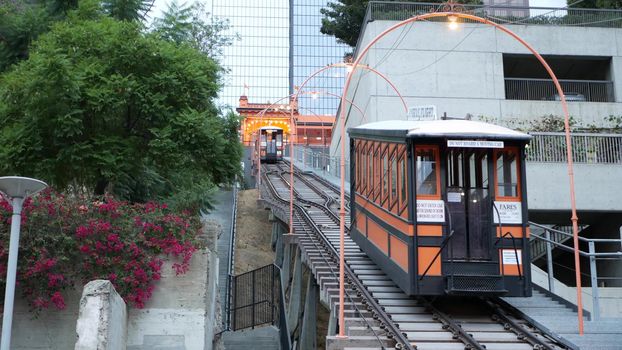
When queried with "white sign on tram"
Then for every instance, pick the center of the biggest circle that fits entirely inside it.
(474, 144)
(430, 210)
(422, 113)
(508, 212)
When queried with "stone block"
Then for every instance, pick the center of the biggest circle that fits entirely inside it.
(102, 321)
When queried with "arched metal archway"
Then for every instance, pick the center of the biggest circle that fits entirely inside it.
(452, 11)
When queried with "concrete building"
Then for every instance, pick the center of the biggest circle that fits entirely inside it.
(481, 73)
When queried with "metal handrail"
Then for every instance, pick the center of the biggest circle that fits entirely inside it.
(443, 244)
(596, 240)
(591, 148)
(592, 255)
(227, 319)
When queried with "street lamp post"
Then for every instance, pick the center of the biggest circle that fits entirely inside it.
(15, 190)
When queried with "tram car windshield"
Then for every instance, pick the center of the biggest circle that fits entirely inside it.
(271, 144)
(441, 205)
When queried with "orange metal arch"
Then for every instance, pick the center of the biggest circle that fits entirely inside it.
(356, 63)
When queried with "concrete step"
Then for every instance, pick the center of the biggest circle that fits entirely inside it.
(263, 338)
(333, 342)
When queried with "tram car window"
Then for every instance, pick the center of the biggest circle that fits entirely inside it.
(440, 205)
(271, 144)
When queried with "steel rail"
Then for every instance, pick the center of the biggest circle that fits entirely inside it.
(325, 245)
(393, 331)
(520, 331)
(523, 334)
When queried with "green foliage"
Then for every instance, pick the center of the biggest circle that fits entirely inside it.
(551, 123)
(127, 10)
(189, 24)
(99, 104)
(20, 23)
(343, 19)
(593, 4)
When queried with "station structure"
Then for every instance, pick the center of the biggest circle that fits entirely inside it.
(314, 130)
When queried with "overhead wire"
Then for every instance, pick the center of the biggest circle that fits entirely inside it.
(400, 38)
(479, 27)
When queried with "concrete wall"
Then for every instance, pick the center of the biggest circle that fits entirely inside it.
(52, 329)
(547, 186)
(180, 315)
(176, 314)
(462, 72)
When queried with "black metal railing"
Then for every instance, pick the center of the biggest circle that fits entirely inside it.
(231, 262)
(544, 90)
(553, 16)
(255, 298)
(586, 148)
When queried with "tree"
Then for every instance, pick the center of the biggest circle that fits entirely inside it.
(127, 10)
(194, 25)
(592, 4)
(101, 105)
(21, 22)
(344, 19)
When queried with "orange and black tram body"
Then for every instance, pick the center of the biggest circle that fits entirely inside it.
(441, 205)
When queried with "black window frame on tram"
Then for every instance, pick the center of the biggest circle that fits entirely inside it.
(363, 171)
(384, 178)
(377, 173)
(393, 178)
(370, 157)
(403, 176)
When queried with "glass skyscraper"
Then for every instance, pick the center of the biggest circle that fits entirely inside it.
(279, 45)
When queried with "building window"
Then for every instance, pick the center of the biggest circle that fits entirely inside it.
(582, 79)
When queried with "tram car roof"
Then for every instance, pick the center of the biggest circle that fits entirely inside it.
(270, 128)
(457, 129)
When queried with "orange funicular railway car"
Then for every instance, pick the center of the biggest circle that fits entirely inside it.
(271, 144)
(441, 205)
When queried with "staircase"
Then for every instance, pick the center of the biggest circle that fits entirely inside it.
(264, 338)
(559, 317)
(559, 234)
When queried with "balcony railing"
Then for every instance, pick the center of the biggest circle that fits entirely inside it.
(586, 148)
(544, 89)
(398, 11)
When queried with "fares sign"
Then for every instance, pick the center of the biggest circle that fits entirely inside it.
(509, 212)
(430, 211)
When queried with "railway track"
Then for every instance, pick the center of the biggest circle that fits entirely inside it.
(376, 310)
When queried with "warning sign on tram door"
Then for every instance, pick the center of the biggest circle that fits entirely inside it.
(430, 211)
(511, 256)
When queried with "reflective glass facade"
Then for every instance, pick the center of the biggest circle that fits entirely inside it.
(313, 50)
(261, 58)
